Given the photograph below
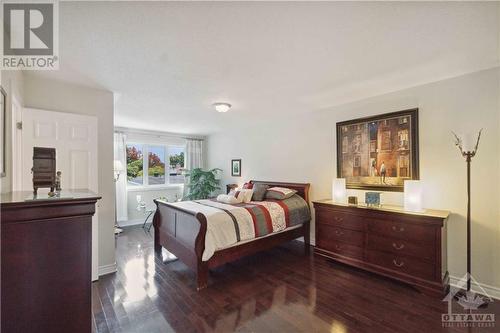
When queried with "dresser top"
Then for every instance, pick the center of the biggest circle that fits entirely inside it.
(443, 214)
(27, 198)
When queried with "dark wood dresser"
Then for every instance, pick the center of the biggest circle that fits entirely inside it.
(409, 247)
(46, 262)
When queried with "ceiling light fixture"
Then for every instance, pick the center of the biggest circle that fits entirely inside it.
(222, 107)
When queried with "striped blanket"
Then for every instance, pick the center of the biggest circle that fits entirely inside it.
(229, 224)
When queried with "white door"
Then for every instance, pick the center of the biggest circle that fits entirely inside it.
(75, 139)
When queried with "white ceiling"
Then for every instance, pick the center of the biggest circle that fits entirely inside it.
(168, 62)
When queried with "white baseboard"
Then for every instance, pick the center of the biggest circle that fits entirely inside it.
(492, 291)
(107, 269)
(133, 222)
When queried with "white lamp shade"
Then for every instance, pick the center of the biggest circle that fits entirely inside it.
(413, 195)
(118, 166)
(339, 193)
(468, 142)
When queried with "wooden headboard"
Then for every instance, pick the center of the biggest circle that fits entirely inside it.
(301, 188)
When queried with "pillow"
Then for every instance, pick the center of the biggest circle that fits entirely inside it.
(245, 195)
(248, 186)
(235, 192)
(279, 193)
(227, 198)
(259, 192)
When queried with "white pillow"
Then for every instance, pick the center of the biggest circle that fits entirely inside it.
(230, 199)
(246, 194)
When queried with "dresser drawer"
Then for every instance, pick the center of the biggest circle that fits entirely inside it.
(342, 249)
(399, 230)
(423, 251)
(326, 233)
(340, 219)
(402, 264)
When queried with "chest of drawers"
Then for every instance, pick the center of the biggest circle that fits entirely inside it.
(409, 247)
(46, 255)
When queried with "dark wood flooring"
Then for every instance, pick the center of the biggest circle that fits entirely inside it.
(279, 290)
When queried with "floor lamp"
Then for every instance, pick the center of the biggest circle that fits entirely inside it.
(118, 169)
(468, 148)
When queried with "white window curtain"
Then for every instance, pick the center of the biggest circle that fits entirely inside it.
(121, 184)
(194, 154)
(194, 158)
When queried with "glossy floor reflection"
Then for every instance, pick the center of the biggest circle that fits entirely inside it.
(274, 291)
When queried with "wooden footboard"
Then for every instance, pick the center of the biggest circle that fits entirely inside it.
(182, 233)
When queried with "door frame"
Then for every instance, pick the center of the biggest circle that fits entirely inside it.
(17, 143)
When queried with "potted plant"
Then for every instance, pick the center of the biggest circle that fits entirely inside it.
(201, 183)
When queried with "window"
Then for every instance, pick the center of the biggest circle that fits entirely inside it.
(403, 139)
(357, 161)
(154, 165)
(356, 167)
(356, 144)
(386, 140)
(176, 159)
(134, 164)
(345, 144)
(404, 163)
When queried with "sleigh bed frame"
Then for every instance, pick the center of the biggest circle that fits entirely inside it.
(182, 233)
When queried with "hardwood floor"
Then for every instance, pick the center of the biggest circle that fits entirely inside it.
(279, 290)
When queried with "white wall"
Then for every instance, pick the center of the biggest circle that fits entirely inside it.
(64, 97)
(302, 149)
(147, 196)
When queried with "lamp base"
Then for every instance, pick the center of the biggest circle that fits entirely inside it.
(471, 300)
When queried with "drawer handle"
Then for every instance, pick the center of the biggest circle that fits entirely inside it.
(400, 229)
(337, 247)
(338, 219)
(400, 247)
(401, 264)
(339, 233)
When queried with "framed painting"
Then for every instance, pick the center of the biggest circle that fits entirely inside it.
(236, 168)
(380, 152)
(3, 137)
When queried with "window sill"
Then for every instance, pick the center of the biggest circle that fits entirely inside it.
(154, 188)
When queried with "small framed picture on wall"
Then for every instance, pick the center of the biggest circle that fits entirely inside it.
(236, 168)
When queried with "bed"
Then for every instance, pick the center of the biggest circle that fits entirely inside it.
(182, 232)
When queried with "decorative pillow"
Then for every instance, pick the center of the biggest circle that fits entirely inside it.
(227, 198)
(248, 186)
(279, 193)
(259, 192)
(245, 194)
